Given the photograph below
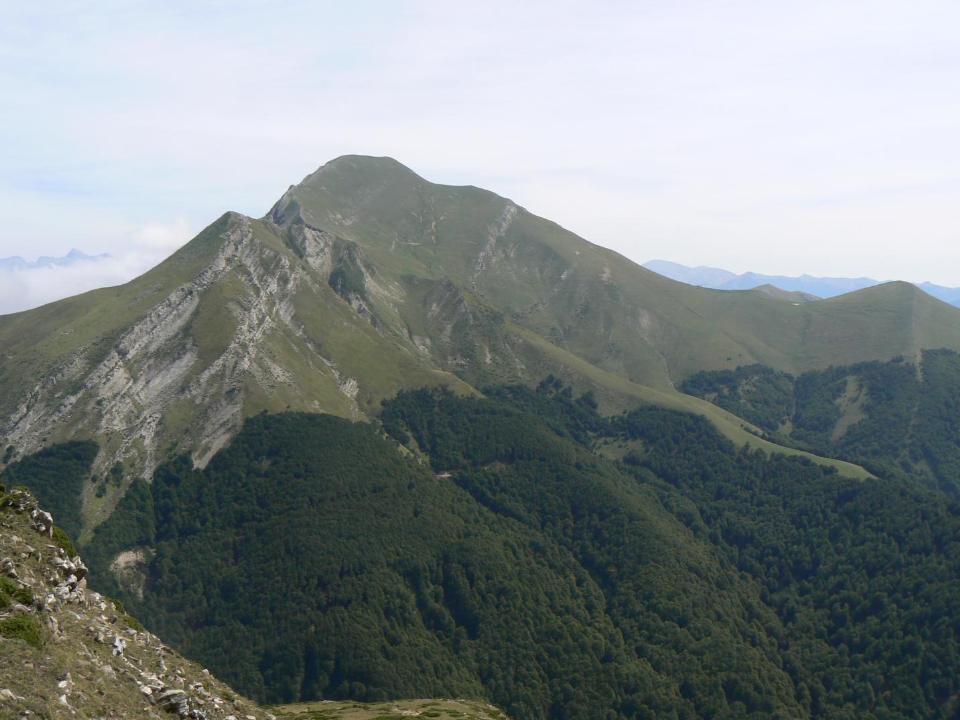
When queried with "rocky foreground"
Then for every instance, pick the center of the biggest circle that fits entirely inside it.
(68, 652)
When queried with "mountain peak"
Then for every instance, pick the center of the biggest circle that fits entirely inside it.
(345, 181)
(366, 167)
(898, 290)
(776, 293)
(360, 160)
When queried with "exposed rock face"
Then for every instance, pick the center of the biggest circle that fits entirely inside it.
(67, 652)
(129, 570)
(464, 338)
(150, 367)
(495, 232)
(180, 375)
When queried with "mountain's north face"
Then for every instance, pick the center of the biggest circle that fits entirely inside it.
(365, 279)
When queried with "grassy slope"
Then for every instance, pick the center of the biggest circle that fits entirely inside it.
(401, 710)
(36, 341)
(734, 428)
(596, 303)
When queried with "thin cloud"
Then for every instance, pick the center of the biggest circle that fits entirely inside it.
(22, 289)
(710, 133)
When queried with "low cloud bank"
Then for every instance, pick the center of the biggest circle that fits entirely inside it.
(23, 288)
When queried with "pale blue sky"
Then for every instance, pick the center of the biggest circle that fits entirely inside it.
(781, 137)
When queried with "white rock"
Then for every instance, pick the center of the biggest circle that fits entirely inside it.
(119, 645)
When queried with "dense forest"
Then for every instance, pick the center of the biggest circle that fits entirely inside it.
(56, 475)
(897, 418)
(522, 547)
(331, 565)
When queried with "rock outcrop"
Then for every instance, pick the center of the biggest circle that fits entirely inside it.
(69, 652)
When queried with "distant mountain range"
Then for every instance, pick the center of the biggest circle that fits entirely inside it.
(71, 258)
(822, 287)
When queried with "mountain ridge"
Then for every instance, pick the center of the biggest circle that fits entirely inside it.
(366, 279)
(820, 287)
(399, 439)
(16, 263)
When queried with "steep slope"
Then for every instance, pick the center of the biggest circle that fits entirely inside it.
(385, 580)
(67, 652)
(365, 279)
(233, 324)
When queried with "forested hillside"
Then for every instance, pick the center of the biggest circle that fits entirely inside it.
(898, 418)
(312, 559)
(526, 549)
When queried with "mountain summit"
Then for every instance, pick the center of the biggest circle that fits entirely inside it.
(365, 279)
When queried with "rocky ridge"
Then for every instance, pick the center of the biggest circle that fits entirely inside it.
(366, 279)
(69, 652)
(150, 368)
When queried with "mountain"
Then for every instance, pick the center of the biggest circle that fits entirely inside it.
(525, 549)
(11, 264)
(821, 287)
(701, 275)
(793, 296)
(398, 439)
(947, 294)
(67, 651)
(365, 279)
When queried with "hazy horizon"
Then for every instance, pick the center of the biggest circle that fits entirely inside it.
(784, 140)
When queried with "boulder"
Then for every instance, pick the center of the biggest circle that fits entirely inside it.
(173, 701)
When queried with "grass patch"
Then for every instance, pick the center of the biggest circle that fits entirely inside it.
(11, 592)
(22, 627)
(63, 541)
(129, 619)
